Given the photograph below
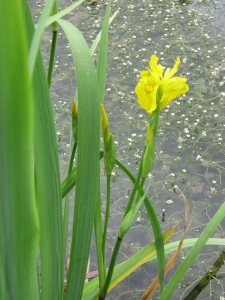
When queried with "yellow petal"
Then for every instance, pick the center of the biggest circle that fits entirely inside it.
(145, 73)
(155, 68)
(146, 100)
(175, 87)
(169, 73)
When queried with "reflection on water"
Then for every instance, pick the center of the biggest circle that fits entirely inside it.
(190, 139)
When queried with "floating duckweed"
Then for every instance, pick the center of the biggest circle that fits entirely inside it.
(170, 201)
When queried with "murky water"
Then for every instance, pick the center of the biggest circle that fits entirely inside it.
(190, 141)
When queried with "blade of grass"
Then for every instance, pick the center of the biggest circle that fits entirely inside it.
(97, 39)
(66, 204)
(88, 171)
(102, 55)
(192, 254)
(101, 76)
(47, 176)
(106, 221)
(98, 239)
(171, 247)
(18, 214)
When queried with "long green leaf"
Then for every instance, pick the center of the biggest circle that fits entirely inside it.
(47, 176)
(171, 247)
(87, 159)
(101, 76)
(192, 254)
(18, 214)
(102, 55)
(98, 239)
(98, 37)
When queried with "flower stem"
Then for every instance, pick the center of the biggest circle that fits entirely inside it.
(106, 217)
(72, 157)
(135, 187)
(154, 119)
(103, 293)
(98, 237)
(52, 55)
(140, 189)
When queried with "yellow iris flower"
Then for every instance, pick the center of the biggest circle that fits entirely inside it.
(171, 86)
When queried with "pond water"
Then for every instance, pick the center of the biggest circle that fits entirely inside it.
(190, 142)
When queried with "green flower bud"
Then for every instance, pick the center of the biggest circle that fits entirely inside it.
(149, 152)
(109, 145)
(109, 155)
(148, 135)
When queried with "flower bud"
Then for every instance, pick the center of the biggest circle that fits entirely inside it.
(109, 145)
(148, 135)
(148, 156)
(105, 125)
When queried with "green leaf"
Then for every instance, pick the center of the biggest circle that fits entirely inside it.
(101, 76)
(171, 247)
(47, 179)
(88, 170)
(97, 39)
(18, 214)
(158, 239)
(102, 54)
